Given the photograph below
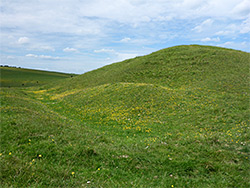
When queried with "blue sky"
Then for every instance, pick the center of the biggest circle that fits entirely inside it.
(80, 35)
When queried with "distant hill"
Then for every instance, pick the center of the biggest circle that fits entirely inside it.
(20, 77)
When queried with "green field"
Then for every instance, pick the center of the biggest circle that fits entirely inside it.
(178, 117)
(18, 77)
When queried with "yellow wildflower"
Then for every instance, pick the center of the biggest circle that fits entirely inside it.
(10, 153)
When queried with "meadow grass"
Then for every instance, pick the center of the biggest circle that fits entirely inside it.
(138, 123)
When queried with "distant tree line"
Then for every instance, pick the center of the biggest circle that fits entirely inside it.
(10, 66)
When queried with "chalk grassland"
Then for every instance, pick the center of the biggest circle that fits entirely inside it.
(175, 67)
(17, 77)
(176, 118)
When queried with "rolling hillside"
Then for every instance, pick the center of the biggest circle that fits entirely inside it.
(178, 117)
(175, 67)
(19, 77)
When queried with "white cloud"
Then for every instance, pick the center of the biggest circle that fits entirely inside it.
(123, 56)
(48, 57)
(70, 49)
(204, 25)
(126, 39)
(227, 43)
(31, 55)
(208, 39)
(49, 48)
(104, 51)
(234, 30)
(236, 45)
(245, 26)
(116, 56)
(243, 8)
(193, 4)
(89, 17)
(10, 57)
(224, 32)
(39, 47)
(43, 57)
(163, 18)
(23, 40)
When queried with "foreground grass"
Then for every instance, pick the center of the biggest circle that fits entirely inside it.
(126, 134)
(39, 144)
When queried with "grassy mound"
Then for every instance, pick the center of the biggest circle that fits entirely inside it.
(178, 117)
(181, 66)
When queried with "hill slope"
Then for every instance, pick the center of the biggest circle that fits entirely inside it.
(175, 118)
(175, 67)
(19, 77)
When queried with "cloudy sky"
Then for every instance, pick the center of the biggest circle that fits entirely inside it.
(81, 35)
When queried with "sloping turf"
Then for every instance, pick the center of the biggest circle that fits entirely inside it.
(178, 117)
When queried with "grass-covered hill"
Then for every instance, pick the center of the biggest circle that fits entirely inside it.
(178, 117)
(180, 66)
(20, 77)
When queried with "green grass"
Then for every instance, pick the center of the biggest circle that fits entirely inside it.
(178, 117)
(19, 77)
